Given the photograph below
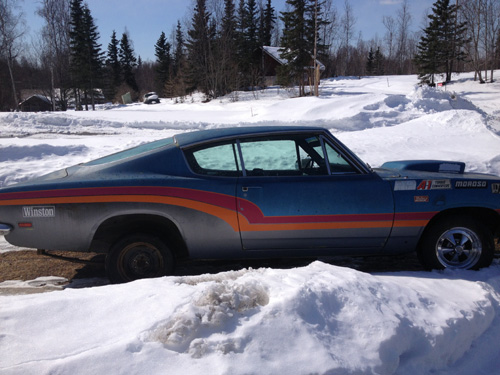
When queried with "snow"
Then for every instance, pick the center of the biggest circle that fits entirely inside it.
(316, 319)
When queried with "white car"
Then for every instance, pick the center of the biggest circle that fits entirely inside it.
(151, 97)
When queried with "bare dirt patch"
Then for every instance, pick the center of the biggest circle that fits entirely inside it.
(28, 265)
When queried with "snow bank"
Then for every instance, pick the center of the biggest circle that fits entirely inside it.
(315, 319)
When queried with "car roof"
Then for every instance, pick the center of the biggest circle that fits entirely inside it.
(202, 136)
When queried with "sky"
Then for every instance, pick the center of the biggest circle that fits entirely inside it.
(145, 20)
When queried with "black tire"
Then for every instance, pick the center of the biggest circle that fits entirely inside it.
(457, 242)
(138, 256)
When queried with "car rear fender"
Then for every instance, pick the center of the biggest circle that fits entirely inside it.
(114, 228)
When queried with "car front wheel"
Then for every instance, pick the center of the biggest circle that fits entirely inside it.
(138, 256)
(457, 242)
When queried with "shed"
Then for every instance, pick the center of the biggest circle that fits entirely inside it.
(36, 103)
(271, 60)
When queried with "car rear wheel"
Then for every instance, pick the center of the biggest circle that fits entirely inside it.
(457, 242)
(138, 256)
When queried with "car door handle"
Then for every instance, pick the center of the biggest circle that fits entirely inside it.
(245, 188)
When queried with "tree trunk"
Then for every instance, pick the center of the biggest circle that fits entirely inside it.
(13, 83)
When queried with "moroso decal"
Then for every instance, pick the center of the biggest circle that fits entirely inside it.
(434, 185)
(240, 214)
(465, 184)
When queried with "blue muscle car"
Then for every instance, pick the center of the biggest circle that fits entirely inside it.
(254, 192)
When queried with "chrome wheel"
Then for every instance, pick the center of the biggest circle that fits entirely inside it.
(458, 248)
(457, 242)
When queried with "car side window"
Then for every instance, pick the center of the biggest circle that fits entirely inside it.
(273, 156)
(338, 164)
(284, 156)
(214, 160)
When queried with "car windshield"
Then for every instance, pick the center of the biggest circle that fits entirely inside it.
(132, 151)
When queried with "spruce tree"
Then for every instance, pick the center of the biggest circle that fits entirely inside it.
(94, 56)
(128, 62)
(113, 68)
(176, 86)
(250, 63)
(179, 49)
(228, 49)
(77, 47)
(370, 63)
(379, 63)
(199, 44)
(241, 41)
(85, 52)
(268, 20)
(297, 43)
(163, 60)
(441, 46)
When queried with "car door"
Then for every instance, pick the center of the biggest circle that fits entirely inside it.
(210, 226)
(303, 192)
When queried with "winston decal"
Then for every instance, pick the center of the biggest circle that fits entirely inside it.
(39, 211)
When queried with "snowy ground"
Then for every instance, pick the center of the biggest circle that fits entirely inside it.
(319, 319)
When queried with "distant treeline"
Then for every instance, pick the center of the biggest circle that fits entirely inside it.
(219, 50)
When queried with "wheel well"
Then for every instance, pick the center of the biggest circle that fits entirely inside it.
(485, 216)
(116, 227)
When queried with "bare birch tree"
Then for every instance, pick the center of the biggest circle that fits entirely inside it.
(403, 22)
(12, 29)
(483, 27)
(55, 36)
(347, 23)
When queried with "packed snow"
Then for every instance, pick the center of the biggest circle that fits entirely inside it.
(315, 319)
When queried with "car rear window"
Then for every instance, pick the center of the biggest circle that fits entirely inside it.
(132, 151)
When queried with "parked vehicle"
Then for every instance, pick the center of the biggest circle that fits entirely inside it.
(151, 97)
(254, 192)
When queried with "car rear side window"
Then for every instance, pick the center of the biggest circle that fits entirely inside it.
(214, 160)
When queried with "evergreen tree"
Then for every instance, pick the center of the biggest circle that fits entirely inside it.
(251, 32)
(267, 24)
(442, 43)
(248, 41)
(297, 43)
(77, 46)
(128, 62)
(228, 29)
(179, 49)
(162, 53)
(176, 86)
(379, 63)
(113, 68)
(94, 56)
(370, 63)
(241, 25)
(228, 50)
(199, 46)
(85, 52)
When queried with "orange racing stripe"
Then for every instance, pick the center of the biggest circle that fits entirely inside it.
(225, 214)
